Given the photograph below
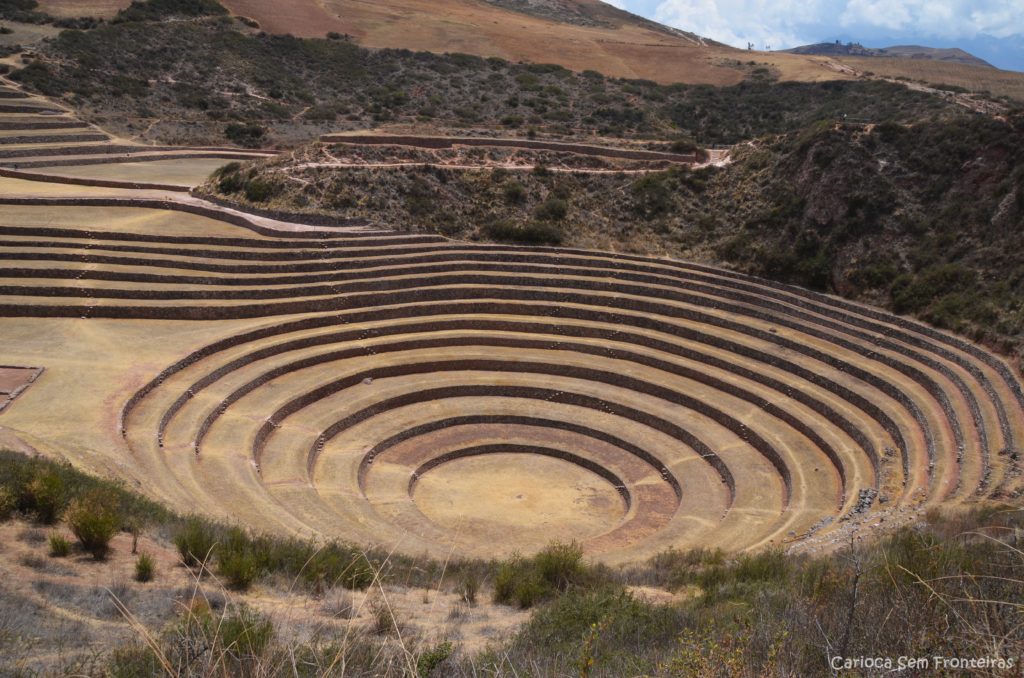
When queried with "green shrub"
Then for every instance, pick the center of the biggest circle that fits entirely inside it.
(529, 590)
(626, 626)
(674, 569)
(46, 496)
(560, 565)
(8, 503)
(195, 541)
(94, 519)
(230, 183)
(60, 547)
(335, 564)
(133, 661)
(249, 135)
(234, 644)
(530, 233)
(236, 561)
(514, 192)
(145, 568)
(245, 635)
(261, 190)
(433, 658)
(683, 146)
(552, 209)
(915, 293)
(528, 581)
(230, 168)
(651, 195)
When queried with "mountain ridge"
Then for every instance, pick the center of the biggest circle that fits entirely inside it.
(945, 54)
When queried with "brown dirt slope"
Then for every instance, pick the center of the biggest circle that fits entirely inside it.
(607, 40)
(632, 47)
(578, 34)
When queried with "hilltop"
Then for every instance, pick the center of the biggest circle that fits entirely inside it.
(948, 55)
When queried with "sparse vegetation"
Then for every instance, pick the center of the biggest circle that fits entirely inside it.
(764, 614)
(299, 82)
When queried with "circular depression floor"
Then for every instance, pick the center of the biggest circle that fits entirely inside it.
(520, 501)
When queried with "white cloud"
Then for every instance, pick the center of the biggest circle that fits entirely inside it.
(788, 23)
(737, 22)
(615, 3)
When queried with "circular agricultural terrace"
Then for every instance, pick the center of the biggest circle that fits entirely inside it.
(437, 396)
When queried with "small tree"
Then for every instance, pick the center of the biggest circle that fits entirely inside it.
(94, 519)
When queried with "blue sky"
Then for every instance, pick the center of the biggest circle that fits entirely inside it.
(990, 29)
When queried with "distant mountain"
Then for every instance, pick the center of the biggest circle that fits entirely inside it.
(837, 48)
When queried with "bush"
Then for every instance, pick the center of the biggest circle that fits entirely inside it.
(652, 196)
(560, 565)
(133, 661)
(260, 190)
(8, 504)
(195, 541)
(60, 547)
(46, 497)
(385, 622)
(334, 564)
(528, 581)
(246, 635)
(531, 233)
(552, 209)
(321, 113)
(914, 293)
(230, 183)
(249, 135)
(145, 568)
(625, 627)
(515, 193)
(236, 561)
(469, 586)
(94, 519)
(432, 658)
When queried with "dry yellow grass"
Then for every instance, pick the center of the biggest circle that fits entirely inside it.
(189, 172)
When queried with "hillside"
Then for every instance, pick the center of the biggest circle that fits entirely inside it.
(582, 35)
(924, 219)
(948, 55)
